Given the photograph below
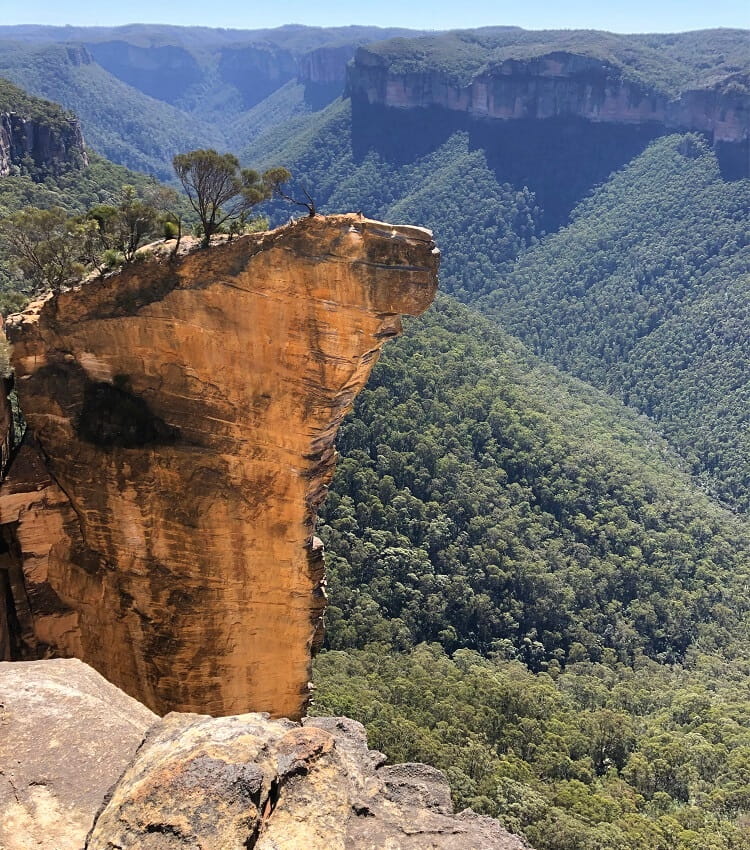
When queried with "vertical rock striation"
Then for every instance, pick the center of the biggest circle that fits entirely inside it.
(186, 413)
(326, 65)
(560, 84)
(51, 147)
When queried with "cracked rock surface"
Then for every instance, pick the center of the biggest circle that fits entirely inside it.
(72, 776)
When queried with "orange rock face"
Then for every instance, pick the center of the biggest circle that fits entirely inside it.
(187, 410)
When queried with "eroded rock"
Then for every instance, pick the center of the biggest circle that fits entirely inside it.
(66, 736)
(84, 765)
(251, 782)
(52, 147)
(185, 413)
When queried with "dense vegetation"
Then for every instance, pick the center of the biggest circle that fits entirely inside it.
(288, 106)
(663, 62)
(645, 295)
(486, 502)
(593, 602)
(481, 224)
(600, 757)
(74, 192)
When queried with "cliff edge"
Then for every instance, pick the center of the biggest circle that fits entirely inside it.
(36, 136)
(84, 766)
(563, 84)
(158, 521)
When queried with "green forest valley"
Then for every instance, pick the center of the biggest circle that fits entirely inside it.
(538, 533)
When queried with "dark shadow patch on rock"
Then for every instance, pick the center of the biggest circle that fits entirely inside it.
(114, 417)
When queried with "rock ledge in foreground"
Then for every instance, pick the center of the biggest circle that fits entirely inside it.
(69, 765)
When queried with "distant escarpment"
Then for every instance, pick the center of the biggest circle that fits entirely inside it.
(323, 73)
(37, 136)
(254, 70)
(559, 86)
(326, 65)
(158, 520)
(181, 65)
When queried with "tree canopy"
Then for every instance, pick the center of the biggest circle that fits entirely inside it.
(219, 191)
(47, 246)
(583, 605)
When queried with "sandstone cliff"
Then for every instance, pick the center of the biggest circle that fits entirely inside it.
(326, 65)
(83, 764)
(557, 84)
(185, 414)
(51, 147)
(323, 73)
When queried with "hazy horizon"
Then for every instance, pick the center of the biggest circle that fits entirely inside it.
(637, 17)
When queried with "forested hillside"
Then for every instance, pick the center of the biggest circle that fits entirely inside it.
(486, 501)
(119, 122)
(645, 294)
(642, 293)
(668, 62)
(585, 605)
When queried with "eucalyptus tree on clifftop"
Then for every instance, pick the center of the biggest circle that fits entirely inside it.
(219, 191)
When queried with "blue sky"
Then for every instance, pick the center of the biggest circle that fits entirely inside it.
(632, 16)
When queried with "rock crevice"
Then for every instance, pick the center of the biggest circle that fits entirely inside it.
(83, 765)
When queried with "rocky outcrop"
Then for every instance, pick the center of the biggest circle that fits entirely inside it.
(543, 87)
(75, 769)
(326, 65)
(323, 73)
(554, 85)
(721, 110)
(185, 414)
(66, 736)
(51, 147)
(274, 784)
(256, 70)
